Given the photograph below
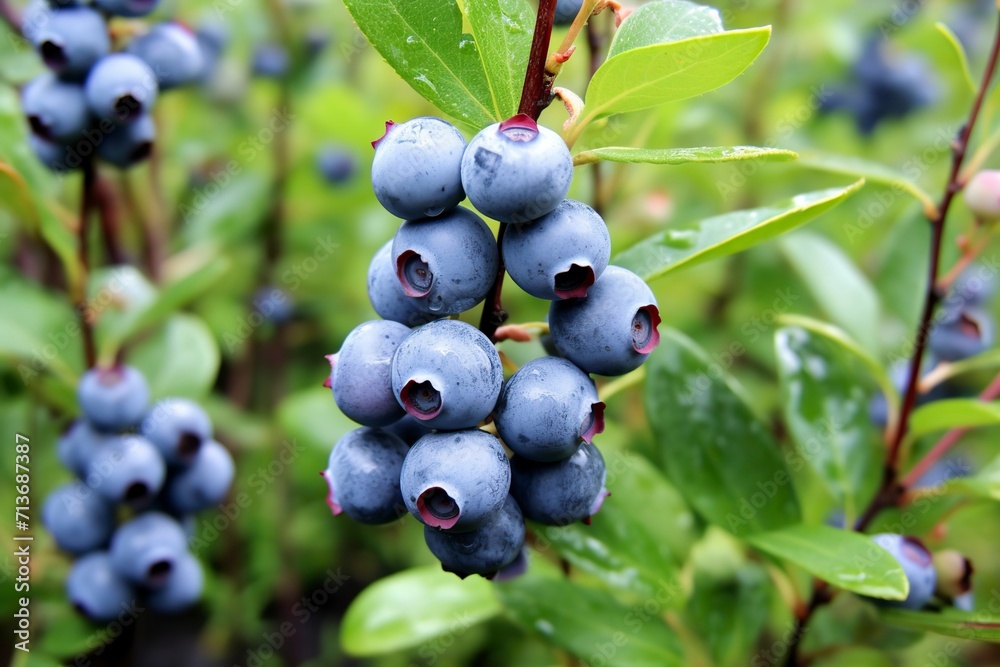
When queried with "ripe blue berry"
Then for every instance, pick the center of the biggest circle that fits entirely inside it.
(961, 333)
(899, 373)
(182, 588)
(975, 286)
(78, 446)
(128, 145)
(560, 255)
(56, 110)
(178, 427)
(96, 589)
(361, 373)
(126, 469)
(560, 493)
(566, 11)
(363, 476)
(982, 195)
(270, 61)
(416, 172)
(516, 171)
(547, 408)
(146, 549)
(447, 264)
(127, 8)
(121, 87)
(52, 154)
(613, 330)
(455, 481)
(943, 471)
(172, 52)
(71, 40)
(387, 295)
(484, 550)
(917, 564)
(113, 399)
(205, 482)
(447, 374)
(337, 165)
(79, 520)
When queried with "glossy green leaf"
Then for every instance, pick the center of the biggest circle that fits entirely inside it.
(715, 450)
(502, 30)
(726, 612)
(856, 167)
(826, 411)
(841, 290)
(673, 156)
(625, 545)
(953, 413)
(960, 60)
(726, 234)
(191, 354)
(662, 22)
(591, 624)
(425, 44)
(843, 558)
(408, 608)
(949, 622)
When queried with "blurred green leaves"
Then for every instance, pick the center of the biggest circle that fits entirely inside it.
(953, 413)
(948, 622)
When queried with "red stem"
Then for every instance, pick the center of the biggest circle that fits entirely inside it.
(12, 15)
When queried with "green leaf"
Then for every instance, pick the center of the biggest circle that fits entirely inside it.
(726, 234)
(44, 336)
(947, 414)
(961, 60)
(826, 411)
(705, 154)
(232, 214)
(726, 612)
(715, 451)
(662, 22)
(849, 165)
(425, 44)
(411, 607)
(590, 623)
(180, 359)
(844, 294)
(843, 558)
(502, 30)
(625, 546)
(312, 416)
(16, 198)
(948, 622)
(116, 295)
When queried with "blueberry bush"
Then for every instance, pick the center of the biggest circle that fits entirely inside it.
(620, 333)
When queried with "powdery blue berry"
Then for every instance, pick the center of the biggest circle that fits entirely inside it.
(56, 110)
(363, 476)
(961, 333)
(613, 329)
(127, 145)
(205, 482)
(547, 408)
(127, 469)
(447, 374)
(270, 61)
(113, 399)
(566, 11)
(79, 520)
(146, 549)
(70, 40)
(77, 447)
(483, 551)
(562, 492)
(416, 172)
(560, 255)
(447, 264)
(182, 588)
(121, 87)
(917, 564)
(361, 377)
(127, 8)
(172, 52)
(516, 171)
(387, 295)
(455, 481)
(336, 164)
(96, 589)
(177, 427)
(52, 154)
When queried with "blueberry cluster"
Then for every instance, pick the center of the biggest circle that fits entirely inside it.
(93, 101)
(423, 386)
(156, 466)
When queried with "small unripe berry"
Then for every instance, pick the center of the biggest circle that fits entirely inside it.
(982, 195)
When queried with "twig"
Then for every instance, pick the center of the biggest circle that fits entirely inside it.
(12, 15)
(83, 257)
(108, 214)
(595, 42)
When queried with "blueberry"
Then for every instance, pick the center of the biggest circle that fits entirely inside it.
(566, 11)
(205, 482)
(547, 409)
(446, 264)
(975, 286)
(79, 520)
(982, 195)
(408, 429)
(270, 61)
(274, 304)
(361, 377)
(416, 172)
(70, 40)
(516, 171)
(917, 564)
(560, 493)
(961, 333)
(455, 481)
(77, 447)
(447, 374)
(387, 295)
(336, 165)
(127, 469)
(560, 255)
(96, 589)
(363, 476)
(56, 110)
(121, 87)
(943, 471)
(613, 330)
(52, 154)
(178, 427)
(182, 588)
(484, 550)
(172, 52)
(128, 8)
(317, 40)
(146, 549)
(127, 145)
(113, 399)
(899, 373)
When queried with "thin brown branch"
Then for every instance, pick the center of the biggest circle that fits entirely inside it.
(87, 196)
(12, 15)
(109, 215)
(537, 91)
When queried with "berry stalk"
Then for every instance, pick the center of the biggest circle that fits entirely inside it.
(87, 201)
